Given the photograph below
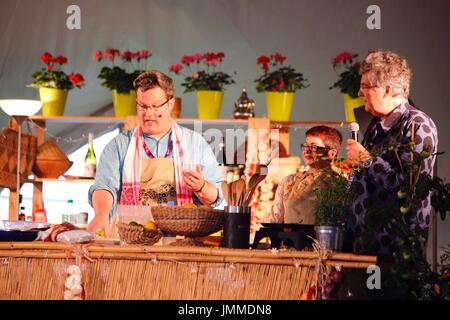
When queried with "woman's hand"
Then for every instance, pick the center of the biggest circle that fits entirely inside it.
(356, 153)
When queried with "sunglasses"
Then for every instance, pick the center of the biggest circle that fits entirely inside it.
(313, 148)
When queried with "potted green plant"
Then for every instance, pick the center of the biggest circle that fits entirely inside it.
(279, 84)
(54, 84)
(348, 82)
(334, 199)
(208, 83)
(119, 77)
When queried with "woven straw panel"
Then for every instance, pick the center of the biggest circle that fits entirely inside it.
(8, 157)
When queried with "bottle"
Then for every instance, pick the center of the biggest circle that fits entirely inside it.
(22, 216)
(90, 161)
(40, 215)
(68, 212)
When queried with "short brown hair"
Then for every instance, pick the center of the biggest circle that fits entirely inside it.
(331, 137)
(388, 68)
(154, 78)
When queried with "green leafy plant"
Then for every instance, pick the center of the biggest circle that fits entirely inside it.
(282, 78)
(196, 79)
(334, 199)
(51, 76)
(349, 79)
(410, 276)
(121, 78)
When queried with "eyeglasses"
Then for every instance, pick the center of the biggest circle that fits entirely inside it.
(313, 148)
(366, 86)
(154, 109)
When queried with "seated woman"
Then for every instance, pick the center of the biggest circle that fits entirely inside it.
(295, 199)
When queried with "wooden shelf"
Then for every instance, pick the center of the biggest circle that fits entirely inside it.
(61, 179)
(78, 119)
(88, 119)
(229, 121)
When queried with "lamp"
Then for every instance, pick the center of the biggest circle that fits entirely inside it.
(20, 109)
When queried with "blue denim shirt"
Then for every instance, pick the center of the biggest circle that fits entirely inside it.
(110, 166)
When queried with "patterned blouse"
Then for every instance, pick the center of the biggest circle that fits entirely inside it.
(377, 185)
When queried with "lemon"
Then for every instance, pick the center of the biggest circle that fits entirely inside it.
(100, 232)
(150, 225)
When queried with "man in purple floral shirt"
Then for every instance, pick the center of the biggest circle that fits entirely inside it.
(385, 88)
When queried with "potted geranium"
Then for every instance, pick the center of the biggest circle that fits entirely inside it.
(279, 84)
(54, 84)
(205, 78)
(349, 79)
(119, 76)
(334, 197)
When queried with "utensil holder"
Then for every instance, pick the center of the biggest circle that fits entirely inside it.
(236, 232)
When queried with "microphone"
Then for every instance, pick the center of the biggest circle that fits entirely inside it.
(354, 129)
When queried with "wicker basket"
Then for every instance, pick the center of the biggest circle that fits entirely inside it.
(51, 161)
(137, 234)
(8, 157)
(189, 222)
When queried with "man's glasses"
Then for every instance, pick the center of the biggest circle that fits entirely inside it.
(366, 86)
(154, 109)
(313, 148)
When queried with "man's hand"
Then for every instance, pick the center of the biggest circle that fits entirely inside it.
(356, 153)
(102, 201)
(194, 179)
(99, 222)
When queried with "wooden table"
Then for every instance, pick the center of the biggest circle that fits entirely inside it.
(37, 270)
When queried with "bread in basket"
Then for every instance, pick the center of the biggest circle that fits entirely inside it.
(188, 221)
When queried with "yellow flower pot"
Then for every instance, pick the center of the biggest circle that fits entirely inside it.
(350, 105)
(53, 101)
(209, 103)
(124, 104)
(279, 105)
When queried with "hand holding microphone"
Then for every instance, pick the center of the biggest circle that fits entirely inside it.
(354, 129)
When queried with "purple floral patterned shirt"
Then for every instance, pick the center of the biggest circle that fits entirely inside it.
(377, 185)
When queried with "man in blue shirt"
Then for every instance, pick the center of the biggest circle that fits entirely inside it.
(156, 162)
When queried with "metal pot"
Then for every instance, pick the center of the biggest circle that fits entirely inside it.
(330, 238)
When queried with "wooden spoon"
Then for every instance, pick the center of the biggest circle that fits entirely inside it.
(240, 191)
(252, 185)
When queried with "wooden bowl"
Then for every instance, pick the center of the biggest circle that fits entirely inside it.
(51, 168)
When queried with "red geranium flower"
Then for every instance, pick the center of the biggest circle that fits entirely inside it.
(176, 68)
(342, 57)
(60, 60)
(263, 60)
(279, 58)
(144, 54)
(127, 55)
(98, 55)
(212, 58)
(52, 76)
(111, 53)
(46, 58)
(187, 60)
(282, 78)
(197, 57)
(207, 79)
(76, 79)
(347, 67)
